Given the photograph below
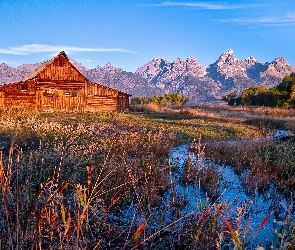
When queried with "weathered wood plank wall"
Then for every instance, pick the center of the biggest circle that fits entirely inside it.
(19, 99)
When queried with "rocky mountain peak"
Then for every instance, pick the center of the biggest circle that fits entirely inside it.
(110, 68)
(251, 59)
(154, 68)
(248, 62)
(228, 52)
(194, 68)
(279, 60)
(179, 61)
(279, 68)
(4, 66)
(192, 60)
(227, 57)
(159, 62)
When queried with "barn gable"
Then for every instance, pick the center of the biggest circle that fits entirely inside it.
(57, 69)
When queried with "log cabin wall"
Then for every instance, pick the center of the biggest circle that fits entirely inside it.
(57, 85)
(19, 99)
(18, 94)
(61, 96)
(99, 97)
(59, 100)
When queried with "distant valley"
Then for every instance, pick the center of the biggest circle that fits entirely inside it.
(188, 77)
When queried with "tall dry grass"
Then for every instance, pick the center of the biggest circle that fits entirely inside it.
(264, 163)
(150, 107)
(67, 180)
(244, 111)
(57, 191)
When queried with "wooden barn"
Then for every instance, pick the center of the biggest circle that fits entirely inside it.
(56, 85)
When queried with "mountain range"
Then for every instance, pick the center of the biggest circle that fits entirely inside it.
(188, 77)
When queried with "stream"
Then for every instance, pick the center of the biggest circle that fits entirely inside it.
(258, 205)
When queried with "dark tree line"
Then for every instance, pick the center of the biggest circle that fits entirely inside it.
(173, 99)
(281, 96)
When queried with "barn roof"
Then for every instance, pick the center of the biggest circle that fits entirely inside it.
(42, 66)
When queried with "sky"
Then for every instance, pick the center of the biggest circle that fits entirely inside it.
(129, 33)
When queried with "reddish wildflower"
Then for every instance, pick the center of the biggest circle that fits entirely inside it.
(138, 232)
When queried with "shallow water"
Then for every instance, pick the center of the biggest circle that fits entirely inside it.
(258, 206)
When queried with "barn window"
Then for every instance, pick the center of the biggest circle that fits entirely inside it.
(74, 94)
(67, 93)
(24, 86)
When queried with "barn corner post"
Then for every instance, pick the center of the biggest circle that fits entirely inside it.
(120, 102)
(57, 85)
(123, 102)
(126, 102)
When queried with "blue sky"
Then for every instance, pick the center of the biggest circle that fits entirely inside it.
(130, 33)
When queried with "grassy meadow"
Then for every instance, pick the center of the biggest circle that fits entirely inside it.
(65, 177)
